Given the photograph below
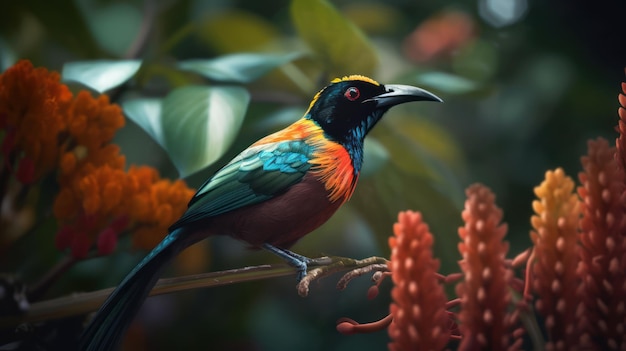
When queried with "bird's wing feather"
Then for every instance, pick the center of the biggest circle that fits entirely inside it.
(257, 174)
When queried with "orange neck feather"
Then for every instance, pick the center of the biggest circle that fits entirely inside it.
(331, 162)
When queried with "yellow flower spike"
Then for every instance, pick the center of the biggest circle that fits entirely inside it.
(555, 238)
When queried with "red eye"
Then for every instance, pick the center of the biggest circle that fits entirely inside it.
(352, 93)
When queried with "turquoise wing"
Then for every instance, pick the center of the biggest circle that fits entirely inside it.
(255, 175)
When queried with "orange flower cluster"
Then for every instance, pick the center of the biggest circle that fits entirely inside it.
(419, 307)
(484, 293)
(32, 115)
(98, 200)
(556, 253)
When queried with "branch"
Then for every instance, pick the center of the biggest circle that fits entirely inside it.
(81, 303)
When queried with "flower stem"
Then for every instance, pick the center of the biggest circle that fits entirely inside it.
(528, 319)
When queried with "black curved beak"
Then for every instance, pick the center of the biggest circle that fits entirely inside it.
(398, 94)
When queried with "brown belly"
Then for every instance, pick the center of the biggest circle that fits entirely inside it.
(282, 220)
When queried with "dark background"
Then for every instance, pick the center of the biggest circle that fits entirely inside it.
(543, 82)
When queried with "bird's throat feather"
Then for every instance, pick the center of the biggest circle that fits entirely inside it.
(330, 161)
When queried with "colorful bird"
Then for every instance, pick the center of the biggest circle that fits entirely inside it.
(272, 194)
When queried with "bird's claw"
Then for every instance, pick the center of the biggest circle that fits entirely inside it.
(293, 259)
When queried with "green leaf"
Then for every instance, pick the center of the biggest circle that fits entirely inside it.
(200, 123)
(232, 31)
(446, 82)
(240, 68)
(146, 113)
(101, 75)
(343, 48)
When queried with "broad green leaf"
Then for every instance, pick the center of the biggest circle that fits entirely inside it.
(240, 68)
(343, 48)
(199, 123)
(101, 75)
(237, 31)
(374, 17)
(446, 82)
(146, 113)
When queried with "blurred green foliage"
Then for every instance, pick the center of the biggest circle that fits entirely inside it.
(524, 87)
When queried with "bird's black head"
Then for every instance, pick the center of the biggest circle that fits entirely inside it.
(349, 107)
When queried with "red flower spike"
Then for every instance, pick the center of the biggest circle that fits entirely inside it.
(603, 252)
(556, 258)
(420, 319)
(484, 294)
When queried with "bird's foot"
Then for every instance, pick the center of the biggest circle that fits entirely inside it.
(293, 259)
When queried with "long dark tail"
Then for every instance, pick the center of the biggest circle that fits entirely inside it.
(110, 323)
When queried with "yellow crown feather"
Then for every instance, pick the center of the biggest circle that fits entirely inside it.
(355, 77)
(344, 78)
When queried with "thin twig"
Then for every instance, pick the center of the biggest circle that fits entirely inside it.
(35, 291)
(149, 14)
